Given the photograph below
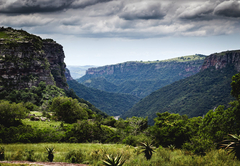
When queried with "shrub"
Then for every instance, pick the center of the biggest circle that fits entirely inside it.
(147, 149)
(198, 145)
(232, 143)
(11, 114)
(68, 109)
(50, 153)
(73, 140)
(32, 118)
(113, 161)
(1, 153)
(29, 155)
(74, 156)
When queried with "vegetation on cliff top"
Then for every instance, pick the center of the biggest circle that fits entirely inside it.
(141, 78)
(192, 96)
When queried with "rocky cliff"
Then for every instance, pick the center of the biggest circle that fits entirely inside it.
(186, 64)
(26, 60)
(220, 60)
(141, 78)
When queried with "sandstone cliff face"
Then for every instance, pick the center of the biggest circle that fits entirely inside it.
(220, 60)
(26, 60)
(189, 67)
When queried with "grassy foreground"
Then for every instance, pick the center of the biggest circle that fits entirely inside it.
(93, 154)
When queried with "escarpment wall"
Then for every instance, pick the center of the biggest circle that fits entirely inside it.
(220, 60)
(26, 60)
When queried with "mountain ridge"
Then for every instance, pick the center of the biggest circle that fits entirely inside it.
(195, 95)
(141, 78)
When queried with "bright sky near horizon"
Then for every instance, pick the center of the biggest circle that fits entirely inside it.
(102, 32)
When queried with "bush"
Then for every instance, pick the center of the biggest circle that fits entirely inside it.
(1, 153)
(29, 155)
(74, 156)
(68, 109)
(11, 114)
(198, 145)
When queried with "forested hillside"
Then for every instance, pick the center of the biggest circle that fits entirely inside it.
(111, 103)
(195, 95)
(141, 78)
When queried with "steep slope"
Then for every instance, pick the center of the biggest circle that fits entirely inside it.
(31, 68)
(141, 78)
(26, 60)
(111, 103)
(194, 95)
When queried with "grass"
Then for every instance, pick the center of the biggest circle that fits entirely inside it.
(37, 113)
(3, 35)
(11, 164)
(42, 124)
(93, 154)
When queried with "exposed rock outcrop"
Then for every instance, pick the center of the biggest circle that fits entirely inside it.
(220, 60)
(26, 60)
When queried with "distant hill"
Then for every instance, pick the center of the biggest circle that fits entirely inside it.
(141, 78)
(111, 103)
(78, 71)
(195, 95)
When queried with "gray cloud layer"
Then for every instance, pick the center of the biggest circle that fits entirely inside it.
(123, 18)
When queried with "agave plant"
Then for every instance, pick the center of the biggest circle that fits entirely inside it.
(1, 153)
(147, 149)
(113, 161)
(50, 153)
(232, 143)
(171, 147)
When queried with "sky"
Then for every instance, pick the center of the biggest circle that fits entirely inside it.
(104, 32)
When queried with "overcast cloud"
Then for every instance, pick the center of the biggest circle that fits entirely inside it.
(123, 18)
(123, 23)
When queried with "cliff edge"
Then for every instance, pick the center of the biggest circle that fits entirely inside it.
(220, 60)
(26, 60)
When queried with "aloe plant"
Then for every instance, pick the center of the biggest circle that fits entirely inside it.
(147, 149)
(113, 161)
(2, 153)
(50, 153)
(232, 143)
(171, 147)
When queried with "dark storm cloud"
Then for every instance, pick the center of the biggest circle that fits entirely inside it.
(85, 3)
(33, 6)
(199, 11)
(40, 6)
(123, 18)
(228, 9)
(144, 10)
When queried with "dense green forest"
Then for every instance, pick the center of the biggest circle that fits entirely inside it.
(169, 123)
(193, 96)
(142, 78)
(111, 103)
(71, 121)
(197, 134)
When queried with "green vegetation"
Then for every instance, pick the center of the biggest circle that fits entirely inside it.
(193, 96)
(77, 132)
(113, 161)
(11, 114)
(50, 153)
(111, 103)
(147, 149)
(68, 110)
(142, 78)
(232, 143)
(161, 155)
